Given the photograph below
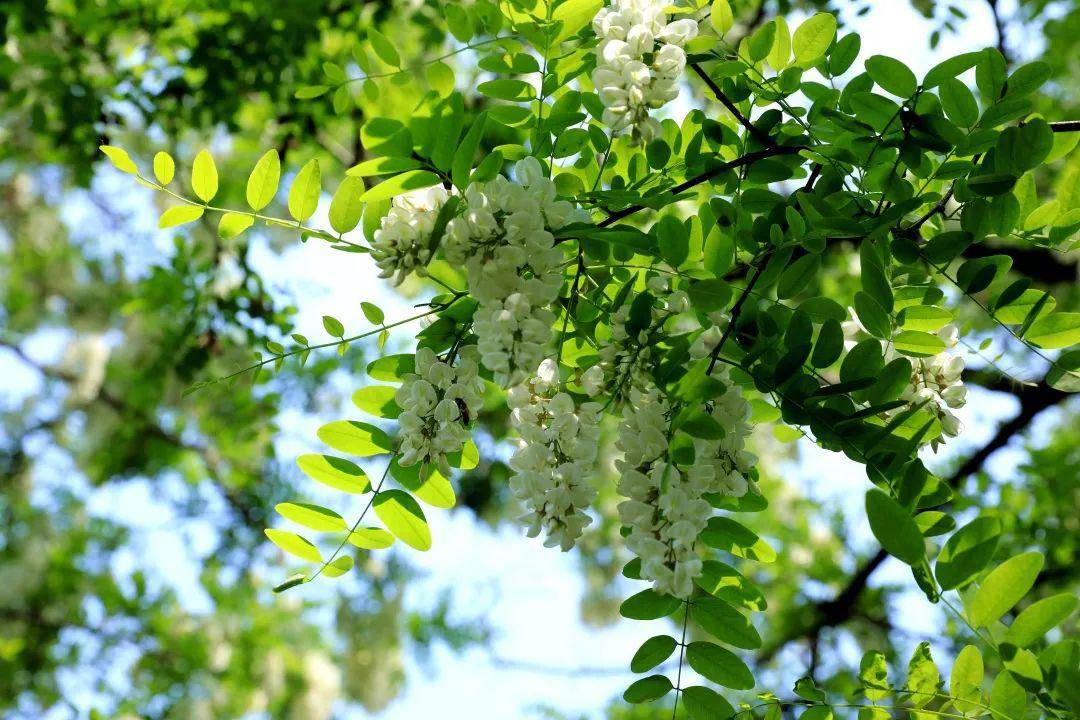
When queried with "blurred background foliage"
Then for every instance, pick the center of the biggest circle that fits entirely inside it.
(101, 331)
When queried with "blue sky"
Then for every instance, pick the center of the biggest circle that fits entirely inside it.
(528, 593)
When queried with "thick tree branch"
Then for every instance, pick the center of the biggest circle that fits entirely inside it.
(844, 606)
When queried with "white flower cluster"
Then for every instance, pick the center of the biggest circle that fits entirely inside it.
(438, 403)
(638, 62)
(723, 464)
(402, 242)
(665, 508)
(627, 359)
(935, 381)
(502, 239)
(555, 458)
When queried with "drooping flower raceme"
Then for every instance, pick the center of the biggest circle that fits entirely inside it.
(402, 244)
(935, 382)
(503, 240)
(555, 458)
(638, 62)
(438, 403)
(666, 508)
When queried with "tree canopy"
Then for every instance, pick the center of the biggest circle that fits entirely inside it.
(655, 253)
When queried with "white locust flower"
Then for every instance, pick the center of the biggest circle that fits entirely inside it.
(639, 60)
(438, 403)
(503, 240)
(402, 244)
(555, 458)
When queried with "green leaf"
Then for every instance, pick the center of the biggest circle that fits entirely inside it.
(725, 623)
(894, 528)
(928, 318)
(704, 703)
(991, 184)
(863, 361)
(574, 15)
(1008, 699)
(709, 295)
(338, 566)
(461, 165)
(874, 676)
(204, 177)
(355, 438)
(725, 582)
(426, 483)
(310, 92)
(672, 238)
(1055, 331)
(1016, 310)
(383, 48)
(233, 224)
(294, 545)
(373, 313)
(797, 276)
(647, 689)
(1039, 618)
(950, 68)
(723, 533)
(779, 56)
(967, 552)
(164, 167)
(807, 689)
(721, 17)
(262, 184)
(377, 400)
(829, 345)
(923, 676)
(965, 681)
(304, 193)
(345, 207)
(812, 39)
(333, 326)
(179, 215)
(120, 159)
(915, 343)
(311, 516)
(721, 666)
(383, 166)
(371, 538)
(652, 652)
(648, 605)
(403, 183)
(402, 516)
(844, 54)
(392, 367)
(958, 102)
(872, 315)
(335, 472)
(1026, 79)
(891, 75)
(1004, 587)
(507, 89)
(459, 23)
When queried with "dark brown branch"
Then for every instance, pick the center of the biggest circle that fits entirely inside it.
(747, 159)
(759, 135)
(999, 27)
(1065, 126)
